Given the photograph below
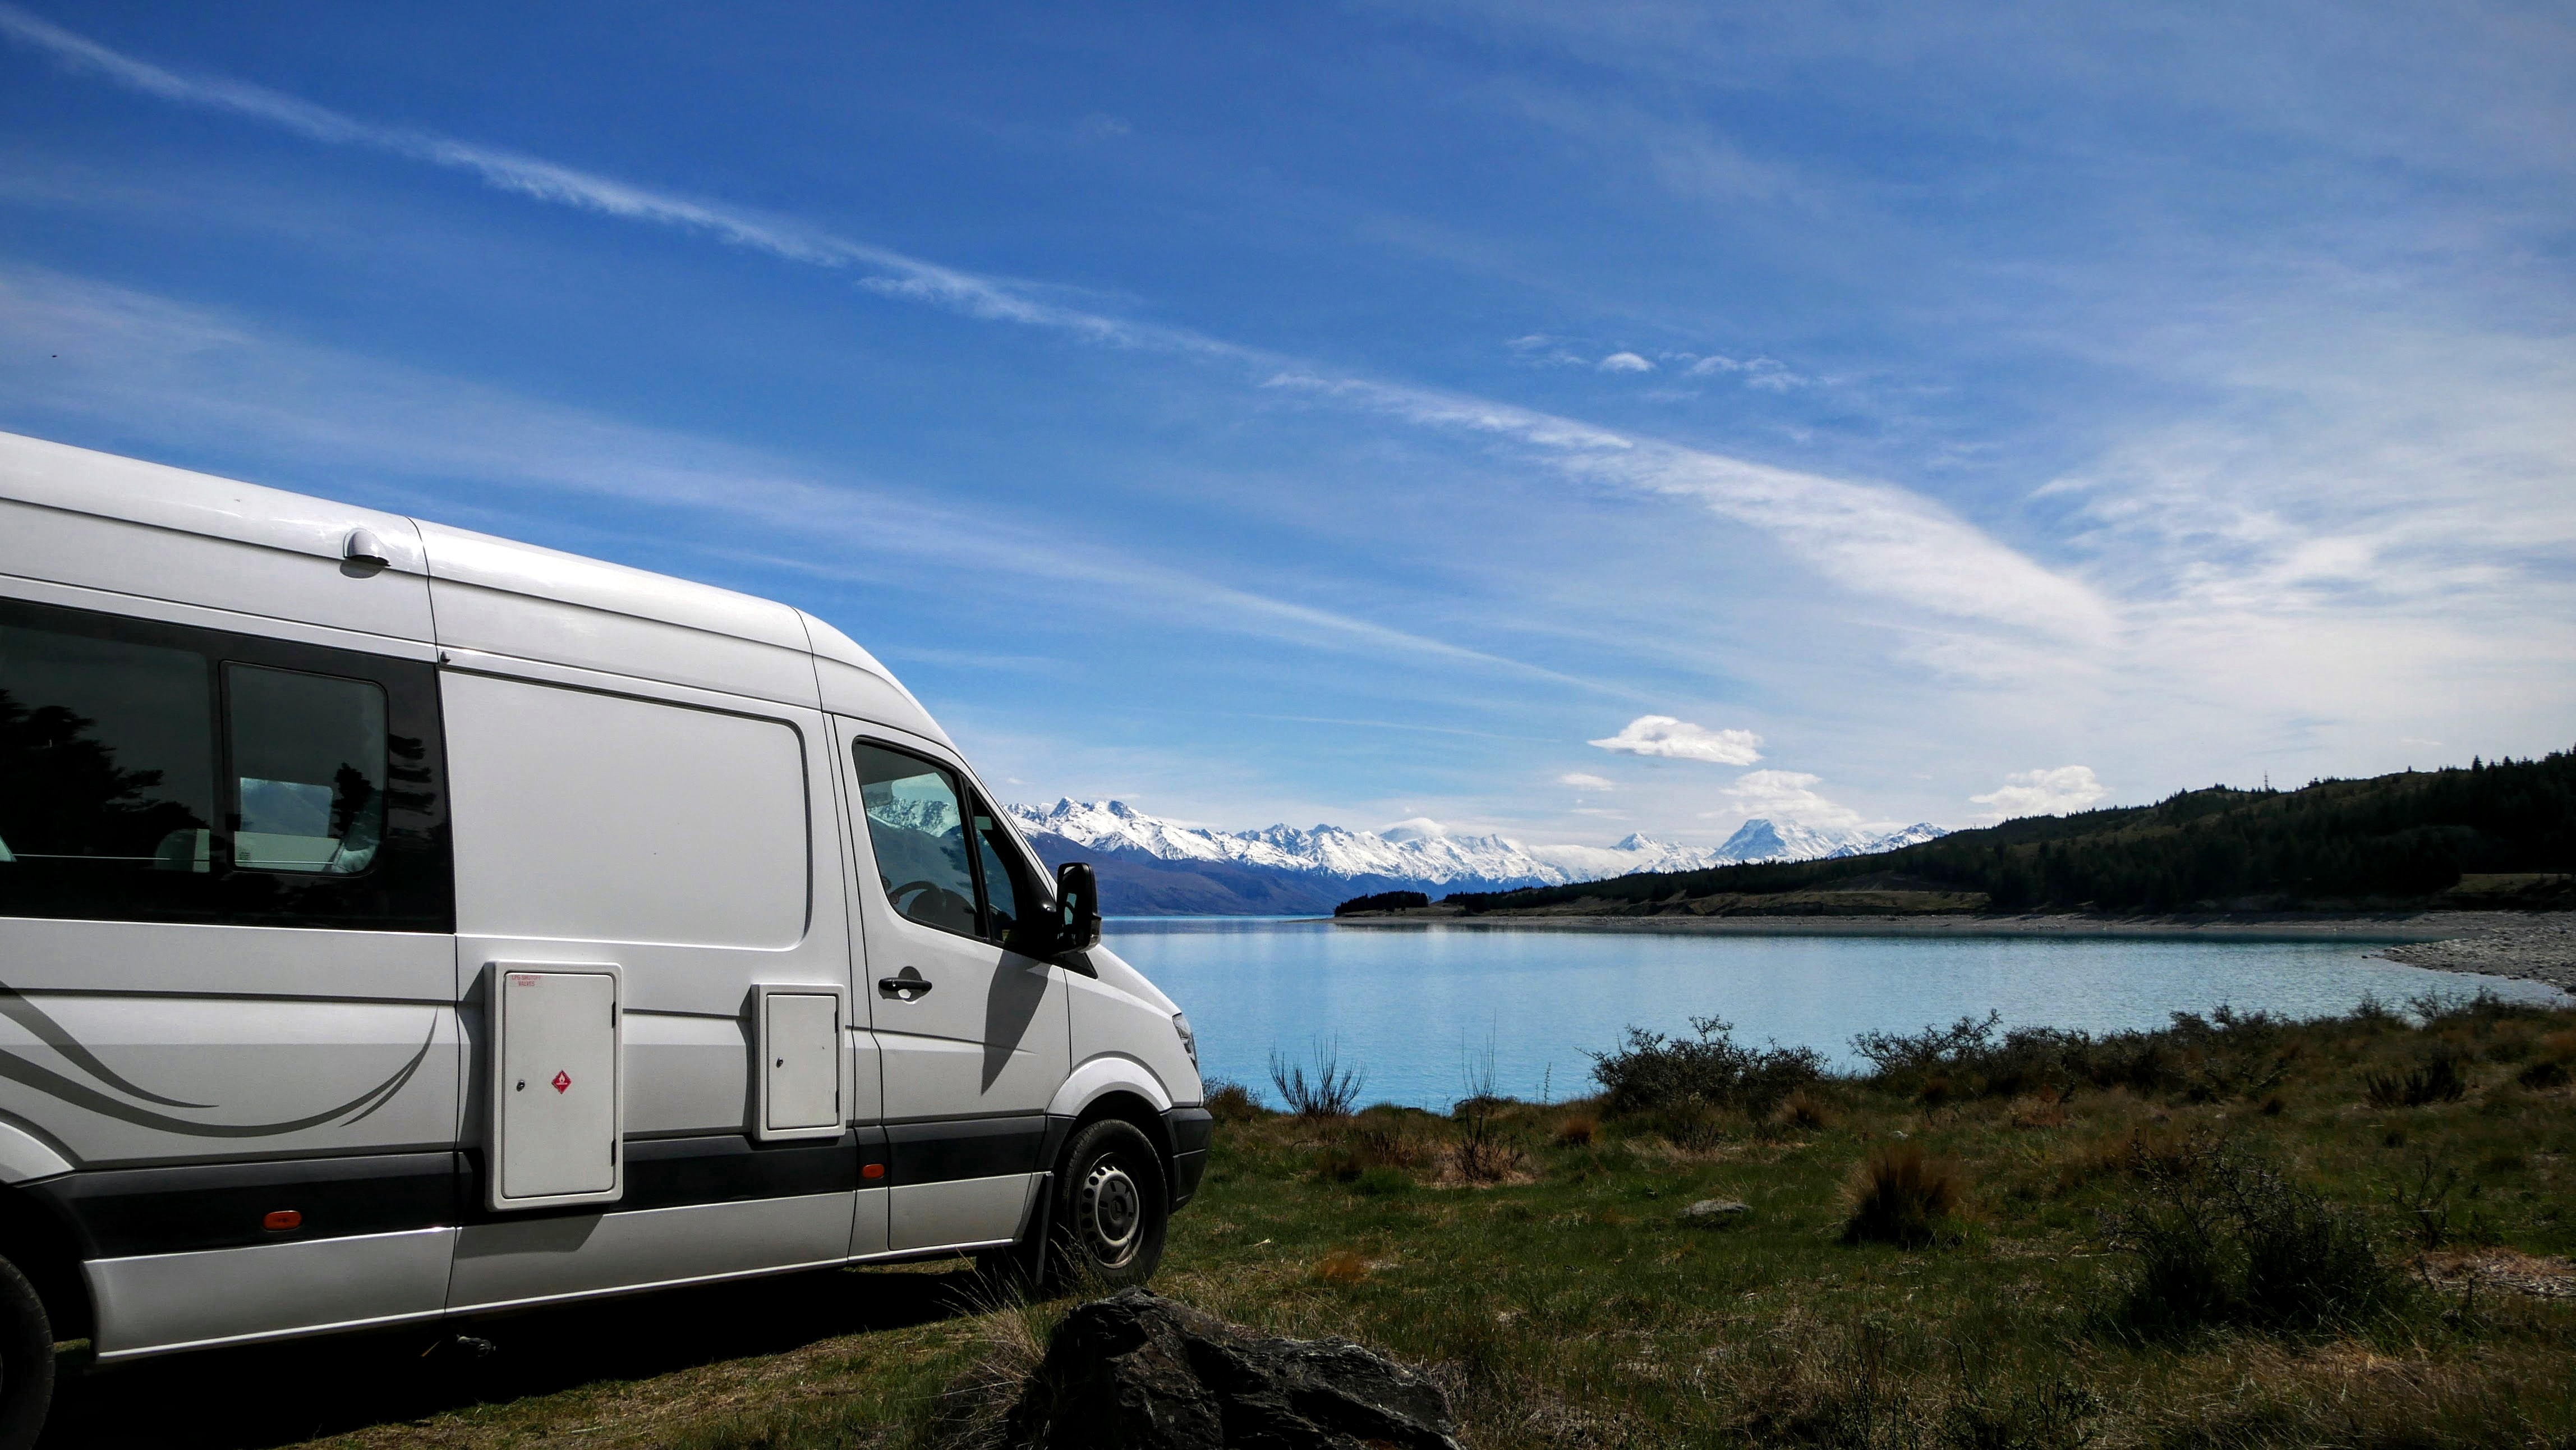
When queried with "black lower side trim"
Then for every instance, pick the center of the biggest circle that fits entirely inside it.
(120, 1212)
(1187, 1170)
(965, 1148)
(673, 1172)
(1192, 1129)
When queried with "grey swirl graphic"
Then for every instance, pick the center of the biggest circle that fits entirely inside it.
(54, 1085)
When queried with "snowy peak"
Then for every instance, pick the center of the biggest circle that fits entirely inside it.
(1913, 835)
(1418, 853)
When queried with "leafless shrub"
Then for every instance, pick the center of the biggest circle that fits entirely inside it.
(1331, 1092)
(1483, 1153)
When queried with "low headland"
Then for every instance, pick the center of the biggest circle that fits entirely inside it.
(2469, 870)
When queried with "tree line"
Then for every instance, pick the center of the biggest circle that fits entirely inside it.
(2391, 838)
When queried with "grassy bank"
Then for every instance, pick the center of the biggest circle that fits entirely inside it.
(2339, 1226)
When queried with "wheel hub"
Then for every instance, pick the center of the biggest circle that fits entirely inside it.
(1112, 1214)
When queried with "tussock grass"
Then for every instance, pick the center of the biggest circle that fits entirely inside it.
(1901, 1195)
(2224, 1252)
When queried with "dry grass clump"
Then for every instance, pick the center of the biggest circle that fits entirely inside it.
(1341, 1266)
(1005, 1346)
(1577, 1131)
(2438, 1078)
(1232, 1102)
(1377, 1151)
(1803, 1109)
(1904, 1196)
(2043, 1109)
(2140, 1150)
(1485, 1162)
(2543, 1075)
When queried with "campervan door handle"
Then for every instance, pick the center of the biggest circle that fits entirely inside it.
(907, 985)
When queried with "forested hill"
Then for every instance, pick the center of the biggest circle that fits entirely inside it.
(2337, 844)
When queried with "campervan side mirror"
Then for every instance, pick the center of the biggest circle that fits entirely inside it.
(1077, 907)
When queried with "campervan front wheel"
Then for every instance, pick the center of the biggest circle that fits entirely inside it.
(26, 1360)
(1112, 1206)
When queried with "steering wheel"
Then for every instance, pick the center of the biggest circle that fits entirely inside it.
(947, 901)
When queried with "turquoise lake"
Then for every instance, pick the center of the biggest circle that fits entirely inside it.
(1410, 1006)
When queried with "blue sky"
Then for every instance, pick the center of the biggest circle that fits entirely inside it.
(1566, 420)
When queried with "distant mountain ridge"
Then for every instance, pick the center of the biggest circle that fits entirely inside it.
(1149, 866)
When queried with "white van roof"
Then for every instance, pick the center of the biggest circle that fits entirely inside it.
(59, 479)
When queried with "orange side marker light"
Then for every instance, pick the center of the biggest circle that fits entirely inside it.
(282, 1218)
(872, 1170)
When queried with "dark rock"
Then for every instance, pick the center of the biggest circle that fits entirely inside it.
(1136, 1371)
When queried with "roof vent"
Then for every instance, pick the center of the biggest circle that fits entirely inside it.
(364, 548)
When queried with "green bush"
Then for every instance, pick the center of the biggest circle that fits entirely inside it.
(1711, 1069)
(2223, 1238)
(2224, 1055)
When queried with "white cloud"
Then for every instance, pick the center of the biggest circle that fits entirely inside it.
(1681, 740)
(1586, 782)
(2044, 792)
(1788, 795)
(1624, 362)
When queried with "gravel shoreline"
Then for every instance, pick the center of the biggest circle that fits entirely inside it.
(2526, 946)
(2534, 947)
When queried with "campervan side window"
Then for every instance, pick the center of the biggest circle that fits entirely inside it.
(155, 772)
(917, 829)
(586, 816)
(943, 858)
(308, 768)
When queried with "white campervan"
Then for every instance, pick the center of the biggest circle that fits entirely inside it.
(398, 923)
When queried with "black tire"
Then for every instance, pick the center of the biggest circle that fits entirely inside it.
(26, 1360)
(1112, 1205)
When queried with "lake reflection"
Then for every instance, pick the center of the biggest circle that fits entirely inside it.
(1408, 1005)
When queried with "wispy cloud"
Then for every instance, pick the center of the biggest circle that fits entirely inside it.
(1586, 782)
(896, 274)
(1674, 739)
(1624, 362)
(1875, 539)
(132, 355)
(2051, 792)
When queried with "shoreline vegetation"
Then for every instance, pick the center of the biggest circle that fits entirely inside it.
(2498, 836)
(2234, 1232)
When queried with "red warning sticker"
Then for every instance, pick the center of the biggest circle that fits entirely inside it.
(562, 1080)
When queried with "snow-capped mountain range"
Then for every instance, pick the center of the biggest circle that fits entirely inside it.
(1284, 868)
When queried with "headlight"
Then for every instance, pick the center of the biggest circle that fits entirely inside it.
(1189, 1039)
